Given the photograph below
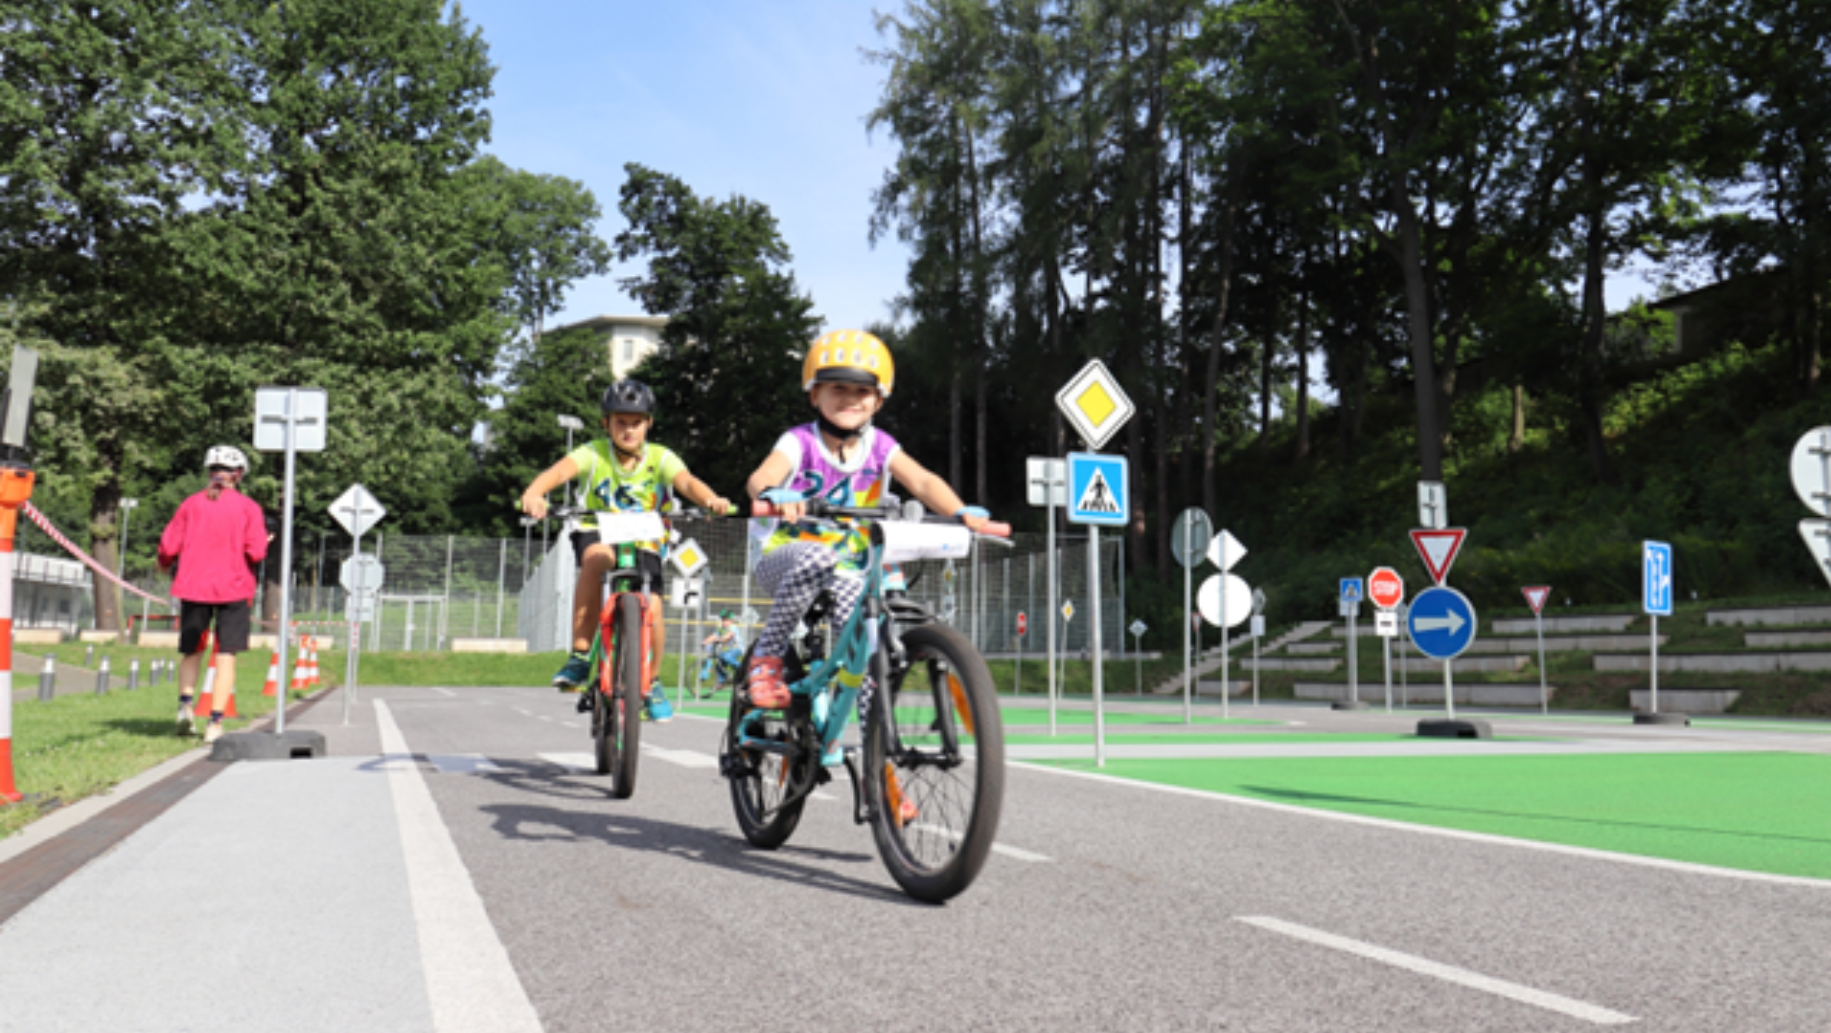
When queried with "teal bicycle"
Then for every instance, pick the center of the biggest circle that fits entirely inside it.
(928, 776)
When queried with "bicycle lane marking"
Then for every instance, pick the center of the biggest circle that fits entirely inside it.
(470, 983)
(1448, 973)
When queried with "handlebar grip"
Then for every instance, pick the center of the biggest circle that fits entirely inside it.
(996, 529)
(760, 508)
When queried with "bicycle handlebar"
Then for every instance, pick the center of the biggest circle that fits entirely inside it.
(823, 508)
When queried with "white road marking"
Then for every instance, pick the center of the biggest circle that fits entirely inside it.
(574, 761)
(444, 692)
(1449, 973)
(1587, 853)
(1012, 852)
(462, 763)
(470, 984)
(684, 758)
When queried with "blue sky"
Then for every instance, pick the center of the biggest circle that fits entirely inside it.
(763, 99)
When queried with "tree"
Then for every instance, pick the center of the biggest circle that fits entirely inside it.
(727, 375)
(539, 227)
(559, 373)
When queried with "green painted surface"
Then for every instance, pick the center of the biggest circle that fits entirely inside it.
(1767, 812)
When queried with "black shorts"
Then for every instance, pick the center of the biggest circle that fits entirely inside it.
(231, 620)
(646, 562)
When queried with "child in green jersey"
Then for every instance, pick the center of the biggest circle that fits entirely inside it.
(620, 472)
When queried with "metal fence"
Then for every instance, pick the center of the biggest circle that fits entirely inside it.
(438, 588)
(981, 595)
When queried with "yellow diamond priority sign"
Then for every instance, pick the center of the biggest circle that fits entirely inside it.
(1094, 403)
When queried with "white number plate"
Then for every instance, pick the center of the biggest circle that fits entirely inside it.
(905, 542)
(622, 528)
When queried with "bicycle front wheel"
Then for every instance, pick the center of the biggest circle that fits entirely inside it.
(759, 758)
(934, 765)
(619, 733)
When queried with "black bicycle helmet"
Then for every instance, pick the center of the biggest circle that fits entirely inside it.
(631, 396)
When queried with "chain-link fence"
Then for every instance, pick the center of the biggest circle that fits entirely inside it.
(440, 588)
(981, 595)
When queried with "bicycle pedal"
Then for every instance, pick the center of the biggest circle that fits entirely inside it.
(583, 706)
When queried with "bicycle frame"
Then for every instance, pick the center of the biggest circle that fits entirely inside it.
(621, 536)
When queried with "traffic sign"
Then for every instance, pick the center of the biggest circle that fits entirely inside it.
(688, 558)
(357, 510)
(1225, 550)
(1098, 489)
(1023, 623)
(1386, 588)
(685, 592)
(358, 609)
(1258, 626)
(1438, 548)
(1386, 624)
(1067, 610)
(1351, 590)
(1094, 403)
(1239, 600)
(1817, 534)
(298, 412)
(1811, 469)
(1656, 578)
(1536, 596)
(1441, 622)
(1046, 481)
(1137, 628)
(1189, 537)
(1433, 505)
(362, 574)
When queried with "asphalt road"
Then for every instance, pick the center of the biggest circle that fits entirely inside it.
(1108, 906)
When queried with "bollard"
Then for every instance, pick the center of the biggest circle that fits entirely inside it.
(133, 675)
(89, 655)
(101, 678)
(47, 679)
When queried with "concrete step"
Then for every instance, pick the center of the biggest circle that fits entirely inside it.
(1419, 666)
(1684, 701)
(1720, 663)
(1480, 694)
(1592, 622)
(1313, 648)
(1783, 639)
(1777, 616)
(1314, 665)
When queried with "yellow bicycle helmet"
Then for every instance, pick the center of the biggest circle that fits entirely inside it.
(849, 356)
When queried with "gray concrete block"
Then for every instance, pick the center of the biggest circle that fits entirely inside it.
(1685, 701)
(1777, 615)
(1596, 622)
(294, 744)
(1784, 639)
(1716, 663)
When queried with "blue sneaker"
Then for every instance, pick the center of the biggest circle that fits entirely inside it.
(656, 708)
(576, 673)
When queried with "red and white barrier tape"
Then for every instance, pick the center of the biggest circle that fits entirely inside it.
(70, 547)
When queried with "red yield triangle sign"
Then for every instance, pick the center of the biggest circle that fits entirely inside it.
(1439, 548)
(1535, 594)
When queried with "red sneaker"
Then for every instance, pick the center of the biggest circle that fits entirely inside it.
(766, 688)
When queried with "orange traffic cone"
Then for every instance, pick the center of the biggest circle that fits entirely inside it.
(311, 665)
(298, 674)
(272, 688)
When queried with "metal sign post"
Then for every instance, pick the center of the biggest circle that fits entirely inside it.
(357, 511)
(1189, 543)
(1656, 598)
(1138, 629)
(289, 420)
(1258, 632)
(1536, 596)
(1048, 487)
(1023, 625)
(1224, 551)
(1067, 615)
(1351, 594)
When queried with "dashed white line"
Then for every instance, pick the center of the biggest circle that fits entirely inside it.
(462, 764)
(1449, 973)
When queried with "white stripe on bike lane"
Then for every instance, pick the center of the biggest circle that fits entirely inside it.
(470, 983)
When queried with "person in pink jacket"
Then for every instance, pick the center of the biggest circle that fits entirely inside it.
(218, 534)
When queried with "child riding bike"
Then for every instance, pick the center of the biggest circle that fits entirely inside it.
(619, 472)
(724, 649)
(841, 458)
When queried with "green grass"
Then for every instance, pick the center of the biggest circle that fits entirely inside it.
(1754, 811)
(73, 747)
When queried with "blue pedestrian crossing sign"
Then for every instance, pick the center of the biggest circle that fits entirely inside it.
(1656, 578)
(1441, 622)
(1098, 489)
(1351, 590)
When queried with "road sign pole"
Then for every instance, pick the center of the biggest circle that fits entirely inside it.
(1404, 675)
(292, 412)
(1538, 620)
(1255, 670)
(349, 658)
(1093, 640)
(1386, 660)
(1226, 686)
(1188, 624)
(1050, 655)
(1354, 656)
(1653, 641)
(1449, 691)
(1138, 664)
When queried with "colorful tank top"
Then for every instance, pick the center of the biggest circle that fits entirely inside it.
(606, 486)
(860, 482)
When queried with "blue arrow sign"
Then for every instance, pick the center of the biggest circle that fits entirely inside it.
(1098, 489)
(1441, 623)
(1656, 578)
(1350, 590)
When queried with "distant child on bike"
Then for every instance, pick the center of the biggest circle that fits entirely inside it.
(841, 458)
(724, 646)
(619, 472)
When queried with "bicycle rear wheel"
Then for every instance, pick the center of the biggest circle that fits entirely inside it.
(934, 765)
(618, 729)
(762, 774)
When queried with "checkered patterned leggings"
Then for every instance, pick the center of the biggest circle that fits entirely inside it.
(794, 573)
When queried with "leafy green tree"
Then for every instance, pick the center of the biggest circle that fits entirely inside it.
(540, 229)
(727, 375)
(560, 373)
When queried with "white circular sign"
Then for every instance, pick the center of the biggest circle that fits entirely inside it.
(1239, 600)
(1811, 469)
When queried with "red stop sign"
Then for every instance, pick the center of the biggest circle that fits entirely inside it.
(1386, 588)
(1023, 624)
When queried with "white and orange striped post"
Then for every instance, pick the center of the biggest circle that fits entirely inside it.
(15, 490)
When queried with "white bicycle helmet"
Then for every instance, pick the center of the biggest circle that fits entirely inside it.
(226, 455)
